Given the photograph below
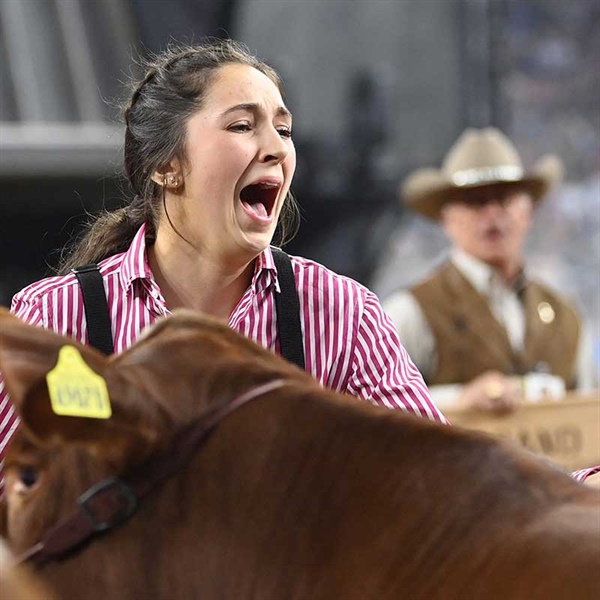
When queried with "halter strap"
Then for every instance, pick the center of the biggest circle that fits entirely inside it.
(110, 502)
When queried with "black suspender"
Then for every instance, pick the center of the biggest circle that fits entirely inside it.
(286, 303)
(288, 311)
(95, 305)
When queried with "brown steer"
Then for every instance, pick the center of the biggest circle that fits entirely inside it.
(301, 494)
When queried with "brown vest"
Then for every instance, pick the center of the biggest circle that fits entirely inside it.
(470, 341)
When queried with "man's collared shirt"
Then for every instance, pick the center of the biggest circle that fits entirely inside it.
(503, 300)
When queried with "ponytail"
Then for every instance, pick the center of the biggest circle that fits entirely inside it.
(111, 232)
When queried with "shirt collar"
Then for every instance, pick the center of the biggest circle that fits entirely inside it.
(135, 265)
(135, 261)
(479, 274)
(265, 271)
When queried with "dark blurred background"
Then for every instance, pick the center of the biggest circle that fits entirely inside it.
(377, 88)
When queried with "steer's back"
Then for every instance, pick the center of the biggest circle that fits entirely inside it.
(300, 494)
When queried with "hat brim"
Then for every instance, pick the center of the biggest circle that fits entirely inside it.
(426, 191)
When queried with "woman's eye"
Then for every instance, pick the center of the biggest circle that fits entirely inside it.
(28, 476)
(284, 132)
(240, 127)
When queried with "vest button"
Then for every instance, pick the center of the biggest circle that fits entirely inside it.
(545, 312)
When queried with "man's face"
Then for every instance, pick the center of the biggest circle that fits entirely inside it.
(490, 222)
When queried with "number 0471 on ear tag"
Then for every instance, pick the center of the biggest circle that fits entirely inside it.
(75, 389)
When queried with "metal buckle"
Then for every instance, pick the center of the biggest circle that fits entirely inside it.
(112, 485)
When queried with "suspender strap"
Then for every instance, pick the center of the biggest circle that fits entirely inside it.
(95, 305)
(288, 311)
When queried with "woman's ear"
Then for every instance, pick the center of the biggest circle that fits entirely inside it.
(169, 176)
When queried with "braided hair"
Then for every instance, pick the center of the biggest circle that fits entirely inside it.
(172, 90)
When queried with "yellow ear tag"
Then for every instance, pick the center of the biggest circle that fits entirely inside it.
(76, 390)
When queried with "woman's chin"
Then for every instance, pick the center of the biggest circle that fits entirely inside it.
(255, 243)
(254, 237)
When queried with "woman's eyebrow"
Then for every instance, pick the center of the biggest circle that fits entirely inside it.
(281, 111)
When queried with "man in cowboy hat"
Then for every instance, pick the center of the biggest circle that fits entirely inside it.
(478, 321)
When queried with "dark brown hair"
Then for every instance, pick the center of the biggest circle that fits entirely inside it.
(172, 90)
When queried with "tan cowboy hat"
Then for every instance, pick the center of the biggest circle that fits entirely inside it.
(479, 157)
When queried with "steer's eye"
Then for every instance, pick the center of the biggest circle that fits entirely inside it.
(28, 476)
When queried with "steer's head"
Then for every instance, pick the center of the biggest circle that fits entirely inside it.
(153, 390)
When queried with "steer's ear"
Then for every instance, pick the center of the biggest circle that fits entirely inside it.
(28, 354)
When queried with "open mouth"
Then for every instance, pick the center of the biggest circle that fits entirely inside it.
(259, 198)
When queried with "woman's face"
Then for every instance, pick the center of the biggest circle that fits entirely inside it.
(240, 164)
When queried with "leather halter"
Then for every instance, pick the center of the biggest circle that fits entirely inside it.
(110, 502)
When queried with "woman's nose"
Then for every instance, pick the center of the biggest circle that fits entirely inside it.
(274, 147)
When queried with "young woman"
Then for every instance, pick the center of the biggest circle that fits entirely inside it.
(209, 158)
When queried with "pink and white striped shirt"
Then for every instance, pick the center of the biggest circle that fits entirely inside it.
(350, 344)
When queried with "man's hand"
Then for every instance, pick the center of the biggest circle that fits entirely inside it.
(492, 392)
(593, 480)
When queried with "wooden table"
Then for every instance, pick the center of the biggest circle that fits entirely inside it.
(565, 431)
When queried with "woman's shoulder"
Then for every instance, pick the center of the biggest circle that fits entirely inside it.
(313, 268)
(56, 285)
(312, 275)
(44, 287)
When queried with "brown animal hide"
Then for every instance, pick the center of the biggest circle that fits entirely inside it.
(301, 494)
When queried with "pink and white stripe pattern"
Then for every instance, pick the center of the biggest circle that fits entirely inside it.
(350, 344)
(583, 474)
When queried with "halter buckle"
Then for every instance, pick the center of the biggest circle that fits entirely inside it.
(115, 500)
